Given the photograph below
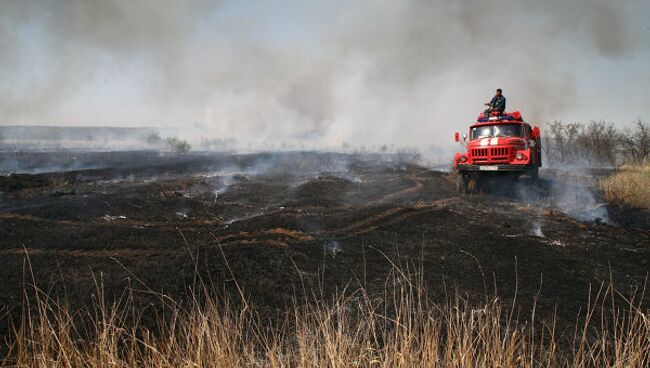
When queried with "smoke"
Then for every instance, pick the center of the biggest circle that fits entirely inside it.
(317, 75)
(298, 167)
(570, 190)
(537, 229)
(574, 193)
(331, 247)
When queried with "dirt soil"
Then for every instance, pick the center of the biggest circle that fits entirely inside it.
(300, 223)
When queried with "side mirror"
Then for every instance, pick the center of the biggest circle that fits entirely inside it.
(535, 133)
(464, 136)
(457, 137)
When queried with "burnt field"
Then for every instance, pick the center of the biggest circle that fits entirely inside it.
(286, 226)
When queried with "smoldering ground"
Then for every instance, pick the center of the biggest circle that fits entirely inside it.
(571, 192)
(317, 75)
(280, 235)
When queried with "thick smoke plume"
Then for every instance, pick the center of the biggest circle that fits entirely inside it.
(294, 75)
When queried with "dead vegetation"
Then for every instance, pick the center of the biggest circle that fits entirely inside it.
(596, 144)
(404, 328)
(629, 186)
(177, 145)
(602, 145)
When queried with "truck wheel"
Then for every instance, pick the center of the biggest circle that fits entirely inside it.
(461, 183)
(534, 175)
(483, 184)
(472, 184)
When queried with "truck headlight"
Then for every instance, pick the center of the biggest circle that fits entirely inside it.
(463, 159)
(519, 156)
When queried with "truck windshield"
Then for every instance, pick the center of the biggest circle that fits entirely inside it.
(501, 130)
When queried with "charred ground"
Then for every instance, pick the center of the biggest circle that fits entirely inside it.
(296, 224)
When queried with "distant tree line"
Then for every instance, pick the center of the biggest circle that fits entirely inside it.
(597, 144)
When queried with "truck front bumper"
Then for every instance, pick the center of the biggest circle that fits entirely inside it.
(492, 168)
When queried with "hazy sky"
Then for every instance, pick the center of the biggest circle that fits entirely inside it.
(406, 73)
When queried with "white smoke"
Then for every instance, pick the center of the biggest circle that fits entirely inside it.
(537, 229)
(320, 74)
(574, 193)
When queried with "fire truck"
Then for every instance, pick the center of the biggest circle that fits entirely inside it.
(501, 145)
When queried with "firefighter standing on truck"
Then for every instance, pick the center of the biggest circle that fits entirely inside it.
(497, 104)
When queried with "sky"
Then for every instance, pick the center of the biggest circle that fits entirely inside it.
(321, 74)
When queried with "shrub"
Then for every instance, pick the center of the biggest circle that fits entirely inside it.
(178, 145)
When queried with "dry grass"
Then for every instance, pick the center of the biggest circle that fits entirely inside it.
(404, 328)
(629, 186)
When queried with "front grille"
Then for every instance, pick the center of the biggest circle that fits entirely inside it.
(499, 154)
(491, 155)
(478, 152)
(499, 151)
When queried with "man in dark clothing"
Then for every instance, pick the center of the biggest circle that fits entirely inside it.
(498, 104)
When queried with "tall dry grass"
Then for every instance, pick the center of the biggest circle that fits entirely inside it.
(403, 328)
(630, 186)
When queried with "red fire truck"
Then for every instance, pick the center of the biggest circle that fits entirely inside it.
(500, 145)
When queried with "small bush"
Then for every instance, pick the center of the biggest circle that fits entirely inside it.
(178, 145)
(153, 139)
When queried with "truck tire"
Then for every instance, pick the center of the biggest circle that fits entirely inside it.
(483, 183)
(461, 183)
(534, 175)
